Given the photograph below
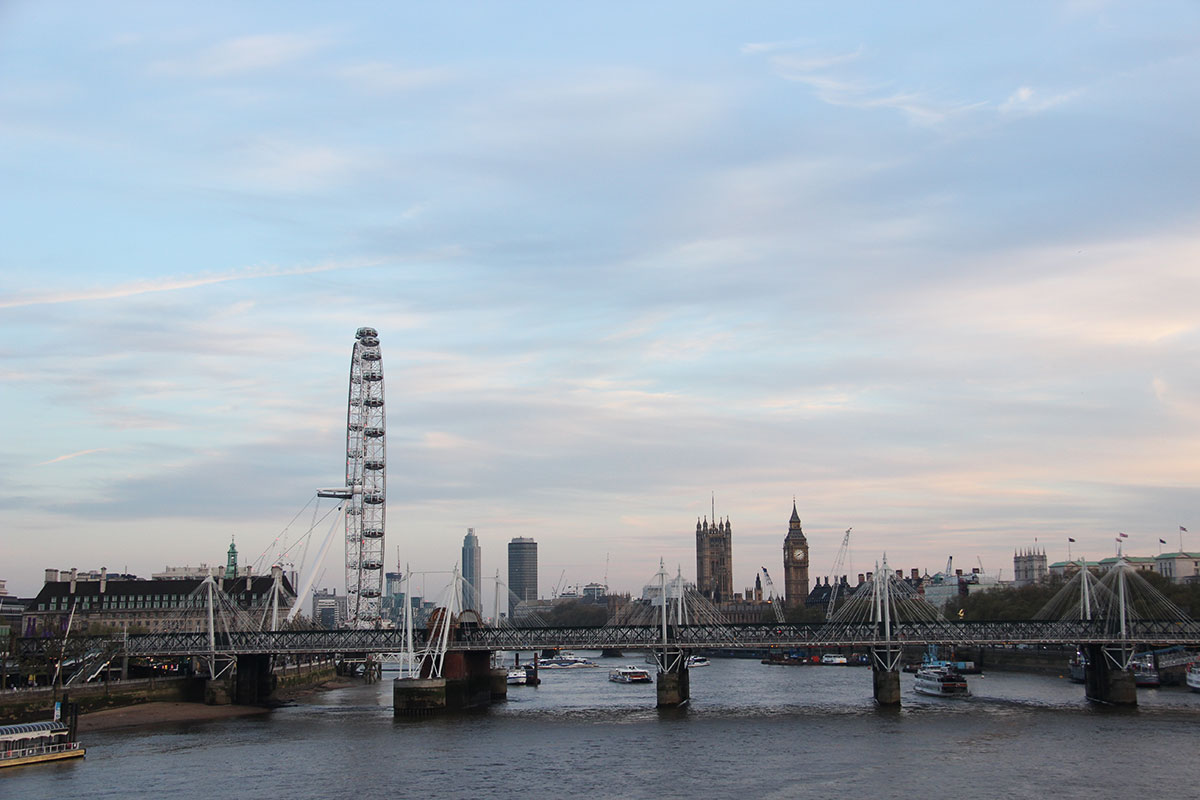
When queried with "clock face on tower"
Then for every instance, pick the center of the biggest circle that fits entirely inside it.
(798, 554)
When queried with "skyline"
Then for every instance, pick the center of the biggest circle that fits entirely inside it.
(930, 270)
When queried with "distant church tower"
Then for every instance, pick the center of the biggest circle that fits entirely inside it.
(1029, 567)
(714, 560)
(795, 562)
(231, 562)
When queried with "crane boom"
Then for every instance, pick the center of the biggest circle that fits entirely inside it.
(838, 564)
(775, 600)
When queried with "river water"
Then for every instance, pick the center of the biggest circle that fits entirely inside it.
(751, 731)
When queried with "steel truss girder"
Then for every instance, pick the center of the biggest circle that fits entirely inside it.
(645, 637)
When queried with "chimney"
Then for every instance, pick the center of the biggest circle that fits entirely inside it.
(73, 572)
(247, 581)
(870, 575)
(915, 574)
(103, 579)
(51, 576)
(958, 572)
(899, 574)
(861, 579)
(974, 570)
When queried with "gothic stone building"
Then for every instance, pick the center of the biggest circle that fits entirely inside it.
(714, 560)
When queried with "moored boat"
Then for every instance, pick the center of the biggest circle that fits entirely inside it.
(697, 661)
(35, 742)
(834, 658)
(629, 674)
(1193, 676)
(940, 682)
(517, 677)
(1077, 668)
(565, 661)
(1145, 674)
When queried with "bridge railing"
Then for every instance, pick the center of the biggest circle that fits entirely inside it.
(632, 637)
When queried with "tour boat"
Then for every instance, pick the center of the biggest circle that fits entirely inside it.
(517, 677)
(1193, 676)
(697, 661)
(1077, 668)
(1145, 675)
(833, 658)
(565, 661)
(940, 682)
(629, 674)
(35, 742)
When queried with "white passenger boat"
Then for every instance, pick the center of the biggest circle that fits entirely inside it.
(36, 742)
(697, 661)
(1193, 676)
(833, 658)
(517, 677)
(565, 661)
(629, 674)
(940, 682)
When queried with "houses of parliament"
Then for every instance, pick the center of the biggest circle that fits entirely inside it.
(714, 563)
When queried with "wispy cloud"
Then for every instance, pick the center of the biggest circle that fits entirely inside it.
(1027, 100)
(171, 284)
(824, 74)
(241, 55)
(69, 456)
(278, 165)
(381, 77)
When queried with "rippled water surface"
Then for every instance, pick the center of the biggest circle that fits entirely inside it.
(751, 731)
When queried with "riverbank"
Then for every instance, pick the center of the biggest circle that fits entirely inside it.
(157, 713)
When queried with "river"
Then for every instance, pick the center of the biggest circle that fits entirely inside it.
(751, 731)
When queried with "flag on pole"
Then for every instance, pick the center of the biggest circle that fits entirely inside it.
(1162, 541)
(1069, 539)
(1183, 529)
(1123, 535)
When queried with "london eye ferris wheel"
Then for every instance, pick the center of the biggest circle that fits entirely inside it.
(365, 494)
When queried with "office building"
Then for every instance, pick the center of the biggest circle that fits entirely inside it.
(472, 572)
(522, 572)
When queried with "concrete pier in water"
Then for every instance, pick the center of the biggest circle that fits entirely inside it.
(1104, 683)
(674, 684)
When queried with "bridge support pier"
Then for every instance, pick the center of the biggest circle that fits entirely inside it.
(467, 682)
(674, 682)
(885, 675)
(1107, 678)
(499, 685)
(254, 681)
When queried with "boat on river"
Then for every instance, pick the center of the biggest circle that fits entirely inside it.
(1193, 676)
(1145, 674)
(565, 661)
(697, 661)
(629, 674)
(941, 682)
(517, 677)
(36, 742)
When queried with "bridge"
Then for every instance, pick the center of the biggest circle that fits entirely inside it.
(1109, 620)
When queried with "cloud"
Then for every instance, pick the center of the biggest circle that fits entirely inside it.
(277, 165)
(1026, 100)
(381, 77)
(242, 55)
(170, 284)
(69, 456)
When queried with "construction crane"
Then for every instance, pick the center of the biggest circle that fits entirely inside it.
(838, 564)
(775, 600)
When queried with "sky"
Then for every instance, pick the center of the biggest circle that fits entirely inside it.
(930, 269)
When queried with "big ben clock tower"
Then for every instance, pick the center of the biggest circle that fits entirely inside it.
(795, 562)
